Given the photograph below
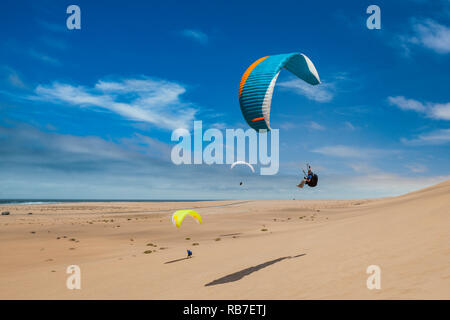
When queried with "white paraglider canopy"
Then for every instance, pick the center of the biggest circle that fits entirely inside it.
(245, 163)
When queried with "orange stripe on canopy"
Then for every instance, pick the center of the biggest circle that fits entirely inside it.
(257, 119)
(247, 73)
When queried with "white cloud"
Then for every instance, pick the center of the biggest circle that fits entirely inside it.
(407, 104)
(315, 126)
(432, 35)
(388, 184)
(38, 164)
(416, 167)
(342, 151)
(438, 111)
(437, 137)
(148, 145)
(349, 125)
(219, 125)
(288, 125)
(363, 168)
(428, 34)
(54, 147)
(320, 93)
(195, 35)
(375, 182)
(152, 101)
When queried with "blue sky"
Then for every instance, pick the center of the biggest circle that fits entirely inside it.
(89, 113)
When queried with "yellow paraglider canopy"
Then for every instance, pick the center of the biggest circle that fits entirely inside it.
(178, 217)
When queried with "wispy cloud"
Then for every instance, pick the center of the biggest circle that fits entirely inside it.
(54, 42)
(343, 151)
(340, 151)
(44, 58)
(13, 78)
(363, 168)
(315, 126)
(51, 26)
(407, 104)
(416, 167)
(60, 145)
(195, 35)
(138, 168)
(436, 137)
(438, 111)
(96, 167)
(388, 184)
(349, 125)
(148, 145)
(374, 180)
(148, 100)
(426, 33)
(432, 35)
(323, 92)
(288, 125)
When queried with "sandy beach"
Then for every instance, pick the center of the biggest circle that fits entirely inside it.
(244, 249)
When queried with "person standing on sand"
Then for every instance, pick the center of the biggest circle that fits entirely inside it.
(189, 254)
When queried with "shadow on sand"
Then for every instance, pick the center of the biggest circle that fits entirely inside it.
(245, 272)
(172, 261)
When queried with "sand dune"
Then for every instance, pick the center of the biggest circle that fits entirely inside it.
(244, 250)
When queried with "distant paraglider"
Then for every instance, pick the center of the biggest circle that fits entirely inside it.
(258, 82)
(245, 163)
(178, 217)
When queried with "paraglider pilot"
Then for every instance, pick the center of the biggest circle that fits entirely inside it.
(310, 179)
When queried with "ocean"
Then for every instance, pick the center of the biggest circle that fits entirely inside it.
(50, 201)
